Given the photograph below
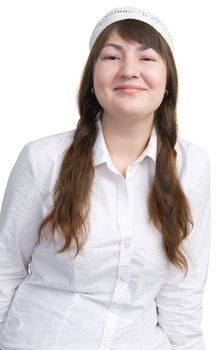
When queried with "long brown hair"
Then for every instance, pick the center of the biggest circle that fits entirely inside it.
(167, 205)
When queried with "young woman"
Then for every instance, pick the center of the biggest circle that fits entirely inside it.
(105, 229)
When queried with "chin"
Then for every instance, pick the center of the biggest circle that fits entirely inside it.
(133, 114)
(137, 108)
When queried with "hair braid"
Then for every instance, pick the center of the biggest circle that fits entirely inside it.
(168, 206)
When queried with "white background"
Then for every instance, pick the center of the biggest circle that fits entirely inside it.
(43, 47)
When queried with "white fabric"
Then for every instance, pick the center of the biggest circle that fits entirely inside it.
(121, 13)
(120, 292)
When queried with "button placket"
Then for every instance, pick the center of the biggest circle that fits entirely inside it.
(120, 292)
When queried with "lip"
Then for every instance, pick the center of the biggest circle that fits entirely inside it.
(129, 89)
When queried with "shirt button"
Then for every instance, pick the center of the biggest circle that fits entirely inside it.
(127, 245)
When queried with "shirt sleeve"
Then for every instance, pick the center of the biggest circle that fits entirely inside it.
(21, 214)
(179, 302)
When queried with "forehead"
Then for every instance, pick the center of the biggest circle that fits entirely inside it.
(118, 42)
(140, 39)
(114, 37)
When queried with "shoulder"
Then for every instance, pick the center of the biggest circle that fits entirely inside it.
(49, 148)
(188, 151)
(50, 145)
(44, 156)
(192, 162)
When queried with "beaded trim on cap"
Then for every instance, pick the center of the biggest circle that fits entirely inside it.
(120, 13)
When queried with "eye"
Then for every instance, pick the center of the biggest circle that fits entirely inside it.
(147, 59)
(111, 58)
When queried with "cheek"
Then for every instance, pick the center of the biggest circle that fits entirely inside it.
(99, 89)
(101, 81)
(100, 77)
(156, 79)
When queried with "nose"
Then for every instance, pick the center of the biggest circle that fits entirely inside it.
(129, 69)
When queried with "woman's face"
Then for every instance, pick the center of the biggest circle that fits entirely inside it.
(129, 79)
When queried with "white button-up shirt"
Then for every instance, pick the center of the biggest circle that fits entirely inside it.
(120, 292)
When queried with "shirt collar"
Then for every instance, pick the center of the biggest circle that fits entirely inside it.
(101, 153)
(151, 148)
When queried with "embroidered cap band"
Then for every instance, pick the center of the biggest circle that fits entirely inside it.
(120, 13)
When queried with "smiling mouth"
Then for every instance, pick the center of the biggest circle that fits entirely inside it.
(129, 90)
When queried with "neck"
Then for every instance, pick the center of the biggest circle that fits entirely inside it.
(126, 141)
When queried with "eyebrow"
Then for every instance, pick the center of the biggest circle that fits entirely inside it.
(120, 48)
